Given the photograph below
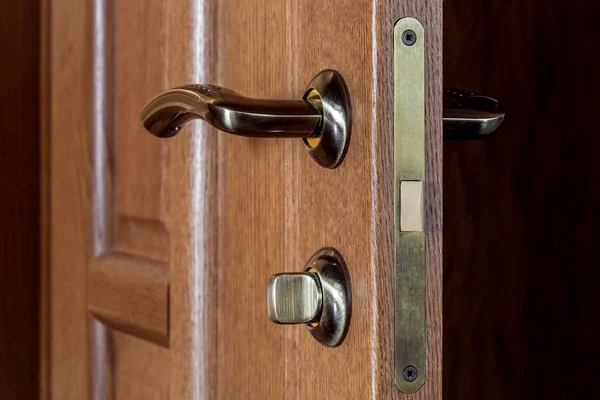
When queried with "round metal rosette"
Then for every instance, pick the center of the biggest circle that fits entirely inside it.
(328, 92)
(330, 268)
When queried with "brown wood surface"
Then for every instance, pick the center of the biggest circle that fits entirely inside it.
(219, 214)
(131, 294)
(19, 200)
(521, 216)
(131, 216)
(280, 207)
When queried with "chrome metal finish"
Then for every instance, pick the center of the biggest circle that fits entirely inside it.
(319, 297)
(329, 91)
(322, 118)
(470, 116)
(409, 219)
(229, 112)
(332, 327)
(294, 298)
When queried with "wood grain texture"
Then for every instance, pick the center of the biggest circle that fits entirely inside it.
(521, 208)
(131, 294)
(280, 206)
(146, 237)
(193, 213)
(139, 366)
(19, 200)
(256, 237)
(45, 214)
(70, 215)
(115, 188)
(226, 212)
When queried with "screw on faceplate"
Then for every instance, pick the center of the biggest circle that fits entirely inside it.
(409, 37)
(410, 373)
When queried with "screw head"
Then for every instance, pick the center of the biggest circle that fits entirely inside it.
(409, 37)
(410, 373)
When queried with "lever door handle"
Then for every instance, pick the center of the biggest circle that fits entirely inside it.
(322, 118)
(231, 112)
(470, 116)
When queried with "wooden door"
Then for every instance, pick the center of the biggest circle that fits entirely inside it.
(160, 250)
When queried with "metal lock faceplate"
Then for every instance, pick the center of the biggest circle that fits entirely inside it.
(409, 195)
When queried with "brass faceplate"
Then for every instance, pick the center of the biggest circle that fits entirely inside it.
(409, 222)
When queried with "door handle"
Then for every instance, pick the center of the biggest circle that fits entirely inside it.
(322, 118)
(230, 112)
(468, 115)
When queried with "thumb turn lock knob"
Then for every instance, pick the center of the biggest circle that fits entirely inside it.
(295, 298)
(319, 297)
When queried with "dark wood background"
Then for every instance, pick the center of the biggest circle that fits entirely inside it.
(522, 209)
(19, 199)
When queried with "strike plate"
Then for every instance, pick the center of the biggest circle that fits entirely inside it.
(409, 195)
